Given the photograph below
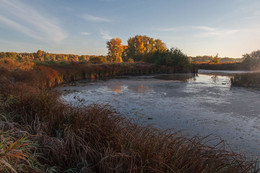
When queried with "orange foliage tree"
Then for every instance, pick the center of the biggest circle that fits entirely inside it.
(139, 46)
(115, 50)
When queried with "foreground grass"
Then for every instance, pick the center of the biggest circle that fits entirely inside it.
(94, 138)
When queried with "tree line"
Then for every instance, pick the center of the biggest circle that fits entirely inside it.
(214, 59)
(42, 56)
(139, 48)
(146, 49)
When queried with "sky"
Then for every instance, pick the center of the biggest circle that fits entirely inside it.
(229, 28)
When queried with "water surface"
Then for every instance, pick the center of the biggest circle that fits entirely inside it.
(202, 105)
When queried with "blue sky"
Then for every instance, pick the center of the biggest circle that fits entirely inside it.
(198, 27)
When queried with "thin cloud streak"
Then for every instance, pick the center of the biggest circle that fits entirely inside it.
(105, 35)
(95, 18)
(184, 28)
(30, 22)
(202, 31)
(203, 28)
(19, 27)
(85, 33)
(218, 33)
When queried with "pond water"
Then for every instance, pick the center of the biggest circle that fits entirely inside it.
(200, 105)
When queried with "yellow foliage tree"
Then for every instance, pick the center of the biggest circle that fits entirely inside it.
(142, 45)
(115, 50)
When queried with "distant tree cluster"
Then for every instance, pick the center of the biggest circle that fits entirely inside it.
(252, 59)
(215, 59)
(138, 47)
(170, 57)
(145, 49)
(42, 56)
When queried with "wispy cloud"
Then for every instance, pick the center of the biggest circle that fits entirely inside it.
(203, 28)
(95, 18)
(19, 27)
(186, 28)
(168, 29)
(200, 31)
(218, 33)
(106, 35)
(85, 33)
(25, 19)
(66, 8)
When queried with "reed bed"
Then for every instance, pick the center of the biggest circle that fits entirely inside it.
(251, 80)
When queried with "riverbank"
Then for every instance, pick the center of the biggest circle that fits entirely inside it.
(53, 75)
(93, 138)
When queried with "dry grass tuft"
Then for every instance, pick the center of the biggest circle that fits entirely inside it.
(17, 154)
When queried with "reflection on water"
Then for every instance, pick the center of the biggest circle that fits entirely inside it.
(139, 89)
(185, 77)
(142, 88)
(203, 105)
(116, 88)
(214, 78)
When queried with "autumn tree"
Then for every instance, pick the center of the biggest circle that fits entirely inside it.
(215, 59)
(115, 50)
(124, 53)
(159, 46)
(39, 55)
(139, 46)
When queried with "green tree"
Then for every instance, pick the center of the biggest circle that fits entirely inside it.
(252, 60)
(172, 57)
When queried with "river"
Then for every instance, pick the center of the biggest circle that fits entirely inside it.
(200, 105)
